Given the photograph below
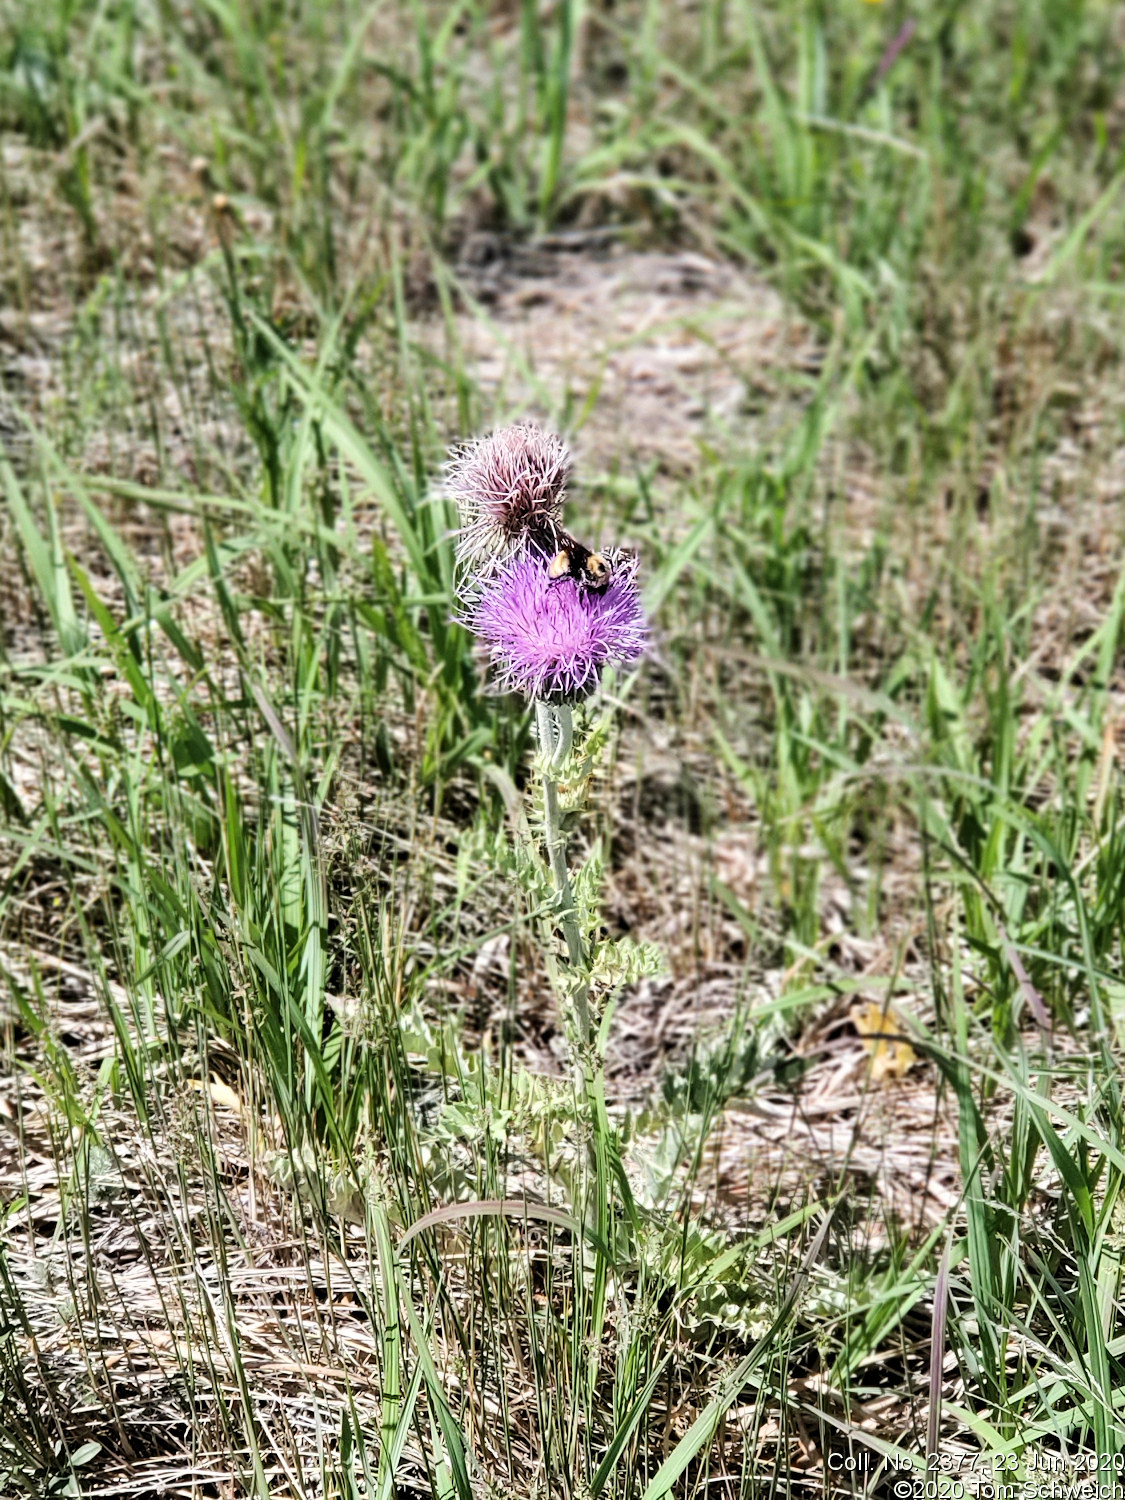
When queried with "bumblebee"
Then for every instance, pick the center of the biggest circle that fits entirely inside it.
(589, 569)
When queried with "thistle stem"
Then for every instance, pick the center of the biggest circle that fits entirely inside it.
(555, 726)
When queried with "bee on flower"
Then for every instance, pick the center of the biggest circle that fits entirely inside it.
(552, 612)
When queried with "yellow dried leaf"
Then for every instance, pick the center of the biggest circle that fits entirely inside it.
(881, 1031)
(224, 1097)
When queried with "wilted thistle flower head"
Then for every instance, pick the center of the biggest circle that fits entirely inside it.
(550, 638)
(509, 488)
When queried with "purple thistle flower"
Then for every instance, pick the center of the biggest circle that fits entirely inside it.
(550, 638)
(509, 488)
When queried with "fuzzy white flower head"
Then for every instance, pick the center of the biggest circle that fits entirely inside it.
(509, 489)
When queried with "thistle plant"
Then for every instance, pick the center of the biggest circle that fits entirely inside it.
(549, 637)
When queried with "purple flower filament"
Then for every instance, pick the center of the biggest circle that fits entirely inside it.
(551, 638)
